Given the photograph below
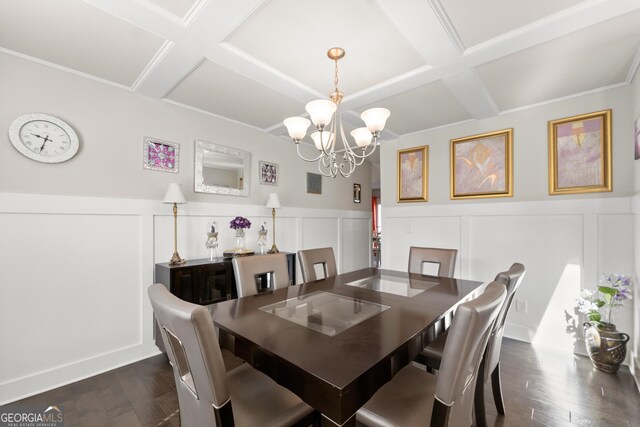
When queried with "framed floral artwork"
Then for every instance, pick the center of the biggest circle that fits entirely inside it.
(268, 173)
(482, 165)
(580, 154)
(413, 174)
(160, 155)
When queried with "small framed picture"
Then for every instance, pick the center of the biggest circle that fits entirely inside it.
(268, 173)
(314, 183)
(357, 190)
(481, 165)
(160, 155)
(580, 154)
(413, 174)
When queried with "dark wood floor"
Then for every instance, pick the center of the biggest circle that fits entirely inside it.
(541, 388)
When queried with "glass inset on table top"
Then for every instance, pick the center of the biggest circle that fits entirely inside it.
(325, 312)
(394, 285)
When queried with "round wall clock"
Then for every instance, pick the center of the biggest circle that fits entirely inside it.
(44, 138)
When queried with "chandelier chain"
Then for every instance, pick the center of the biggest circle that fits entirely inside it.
(335, 76)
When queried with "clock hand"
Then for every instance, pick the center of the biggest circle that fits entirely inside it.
(46, 138)
(35, 134)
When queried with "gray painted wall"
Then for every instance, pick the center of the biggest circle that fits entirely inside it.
(112, 123)
(529, 149)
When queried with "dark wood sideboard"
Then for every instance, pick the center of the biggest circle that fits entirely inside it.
(204, 282)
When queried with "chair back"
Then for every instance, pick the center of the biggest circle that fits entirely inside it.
(511, 279)
(445, 258)
(463, 352)
(272, 268)
(198, 368)
(309, 258)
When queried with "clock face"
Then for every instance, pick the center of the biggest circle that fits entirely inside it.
(43, 138)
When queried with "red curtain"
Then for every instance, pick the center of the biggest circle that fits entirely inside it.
(374, 213)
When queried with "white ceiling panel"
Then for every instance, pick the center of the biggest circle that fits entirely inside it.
(220, 91)
(479, 21)
(259, 61)
(177, 7)
(293, 37)
(592, 58)
(422, 108)
(75, 35)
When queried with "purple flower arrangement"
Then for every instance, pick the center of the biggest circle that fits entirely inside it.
(240, 222)
(613, 290)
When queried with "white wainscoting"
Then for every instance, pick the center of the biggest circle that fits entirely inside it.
(75, 271)
(635, 348)
(565, 245)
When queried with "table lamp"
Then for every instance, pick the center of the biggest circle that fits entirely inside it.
(174, 195)
(274, 203)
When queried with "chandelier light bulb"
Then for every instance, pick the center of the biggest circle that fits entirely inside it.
(362, 136)
(375, 118)
(297, 127)
(321, 111)
(323, 139)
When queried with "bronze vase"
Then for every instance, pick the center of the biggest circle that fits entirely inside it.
(606, 347)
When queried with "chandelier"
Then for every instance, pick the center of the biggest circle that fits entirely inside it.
(332, 161)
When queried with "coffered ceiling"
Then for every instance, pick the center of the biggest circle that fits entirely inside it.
(255, 62)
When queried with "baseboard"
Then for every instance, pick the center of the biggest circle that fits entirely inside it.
(39, 382)
(519, 332)
(635, 371)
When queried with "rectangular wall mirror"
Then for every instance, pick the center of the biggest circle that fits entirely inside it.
(221, 170)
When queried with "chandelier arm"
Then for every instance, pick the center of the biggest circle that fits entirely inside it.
(328, 170)
(352, 166)
(332, 131)
(345, 141)
(374, 143)
(306, 159)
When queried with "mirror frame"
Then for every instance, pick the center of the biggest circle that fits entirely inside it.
(198, 179)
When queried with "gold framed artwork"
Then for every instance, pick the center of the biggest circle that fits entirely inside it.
(482, 165)
(413, 174)
(580, 154)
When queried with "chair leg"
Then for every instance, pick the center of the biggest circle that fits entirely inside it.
(479, 408)
(496, 386)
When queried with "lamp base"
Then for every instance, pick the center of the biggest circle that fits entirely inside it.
(176, 260)
(273, 250)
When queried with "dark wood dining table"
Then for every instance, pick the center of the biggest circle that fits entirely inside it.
(334, 342)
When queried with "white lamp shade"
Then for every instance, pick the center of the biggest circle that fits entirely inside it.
(375, 118)
(174, 194)
(323, 139)
(321, 111)
(273, 202)
(362, 136)
(297, 127)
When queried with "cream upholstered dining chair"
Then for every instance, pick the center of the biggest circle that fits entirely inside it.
(444, 258)
(207, 394)
(250, 271)
(432, 354)
(414, 397)
(309, 258)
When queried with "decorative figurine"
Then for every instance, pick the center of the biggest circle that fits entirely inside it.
(212, 242)
(262, 238)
